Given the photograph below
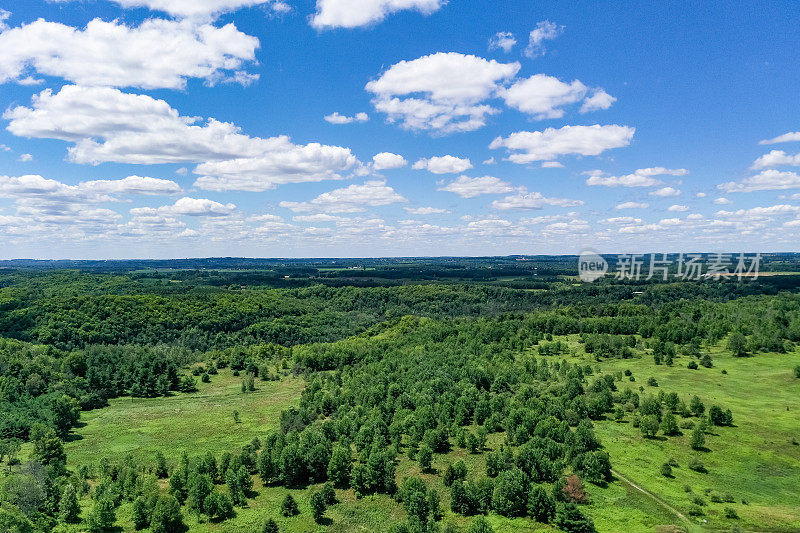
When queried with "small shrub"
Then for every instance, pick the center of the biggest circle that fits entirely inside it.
(696, 510)
(666, 470)
(205, 378)
(480, 525)
(731, 513)
(651, 381)
(697, 465)
(425, 457)
(328, 493)
(692, 365)
(698, 440)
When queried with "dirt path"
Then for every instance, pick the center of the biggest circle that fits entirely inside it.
(693, 527)
(681, 517)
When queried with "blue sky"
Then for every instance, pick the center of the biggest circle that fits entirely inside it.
(504, 127)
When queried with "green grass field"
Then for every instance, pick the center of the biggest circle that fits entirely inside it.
(201, 421)
(755, 461)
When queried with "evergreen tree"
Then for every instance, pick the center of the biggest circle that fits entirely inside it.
(340, 466)
(649, 426)
(218, 506)
(289, 506)
(570, 519)
(267, 469)
(48, 449)
(328, 493)
(435, 505)
(510, 497)
(178, 484)
(161, 470)
(235, 490)
(669, 425)
(318, 506)
(696, 406)
(68, 507)
(720, 417)
(454, 472)
(270, 526)
(141, 513)
(425, 457)
(540, 505)
(208, 465)
(244, 480)
(167, 517)
(199, 487)
(102, 515)
(737, 344)
(698, 440)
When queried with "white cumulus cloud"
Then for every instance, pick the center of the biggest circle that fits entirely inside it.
(467, 187)
(776, 158)
(198, 207)
(792, 136)
(446, 164)
(336, 118)
(356, 13)
(598, 100)
(530, 146)
(388, 160)
(441, 92)
(199, 9)
(503, 40)
(632, 205)
(156, 54)
(349, 199)
(767, 180)
(38, 187)
(543, 96)
(532, 200)
(107, 125)
(643, 177)
(665, 192)
(426, 210)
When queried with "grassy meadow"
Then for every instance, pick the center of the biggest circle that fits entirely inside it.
(760, 390)
(757, 461)
(198, 421)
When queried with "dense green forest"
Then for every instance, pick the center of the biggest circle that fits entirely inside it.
(460, 395)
